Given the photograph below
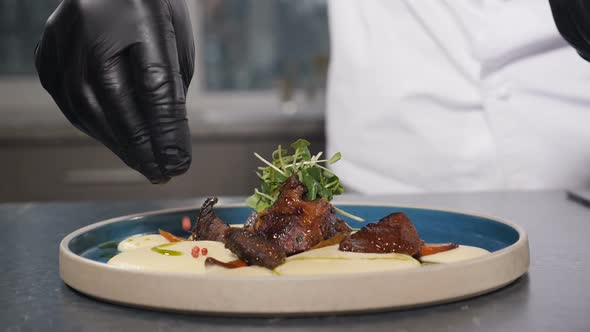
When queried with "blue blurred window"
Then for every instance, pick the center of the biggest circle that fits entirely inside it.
(245, 44)
(21, 23)
(260, 44)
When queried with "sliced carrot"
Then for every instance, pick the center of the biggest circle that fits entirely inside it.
(171, 237)
(434, 248)
(228, 265)
(336, 239)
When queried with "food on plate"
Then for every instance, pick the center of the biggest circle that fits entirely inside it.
(296, 223)
(208, 225)
(170, 237)
(460, 253)
(331, 260)
(435, 248)
(393, 233)
(237, 263)
(141, 241)
(171, 256)
(293, 230)
(254, 249)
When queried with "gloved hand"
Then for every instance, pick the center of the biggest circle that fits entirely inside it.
(572, 18)
(119, 70)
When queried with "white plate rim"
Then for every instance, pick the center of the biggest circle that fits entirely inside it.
(65, 250)
(487, 273)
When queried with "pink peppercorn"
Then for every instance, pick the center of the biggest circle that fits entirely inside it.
(204, 251)
(195, 252)
(186, 224)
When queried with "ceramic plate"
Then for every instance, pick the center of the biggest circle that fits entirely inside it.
(83, 256)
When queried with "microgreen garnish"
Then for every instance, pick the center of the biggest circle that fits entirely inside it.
(318, 179)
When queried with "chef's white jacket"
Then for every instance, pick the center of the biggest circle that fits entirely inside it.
(455, 95)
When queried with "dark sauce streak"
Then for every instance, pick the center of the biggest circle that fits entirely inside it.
(228, 265)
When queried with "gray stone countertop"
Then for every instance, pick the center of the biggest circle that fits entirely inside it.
(553, 296)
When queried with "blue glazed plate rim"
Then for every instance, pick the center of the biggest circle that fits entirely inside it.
(65, 250)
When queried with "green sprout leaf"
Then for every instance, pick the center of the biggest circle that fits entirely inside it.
(337, 156)
(319, 181)
(300, 144)
(252, 201)
(311, 184)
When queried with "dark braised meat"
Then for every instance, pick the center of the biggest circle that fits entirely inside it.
(251, 221)
(394, 233)
(209, 226)
(290, 226)
(331, 241)
(295, 224)
(254, 249)
(334, 225)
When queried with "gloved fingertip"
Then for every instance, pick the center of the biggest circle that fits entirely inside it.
(163, 180)
(584, 55)
(176, 162)
(153, 173)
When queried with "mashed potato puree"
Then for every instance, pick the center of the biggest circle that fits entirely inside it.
(154, 253)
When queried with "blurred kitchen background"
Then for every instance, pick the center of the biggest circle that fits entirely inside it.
(259, 82)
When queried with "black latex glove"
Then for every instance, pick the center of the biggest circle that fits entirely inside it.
(119, 70)
(572, 18)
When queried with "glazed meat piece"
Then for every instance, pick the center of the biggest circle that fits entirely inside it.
(209, 226)
(333, 226)
(291, 225)
(295, 224)
(251, 221)
(393, 233)
(254, 249)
